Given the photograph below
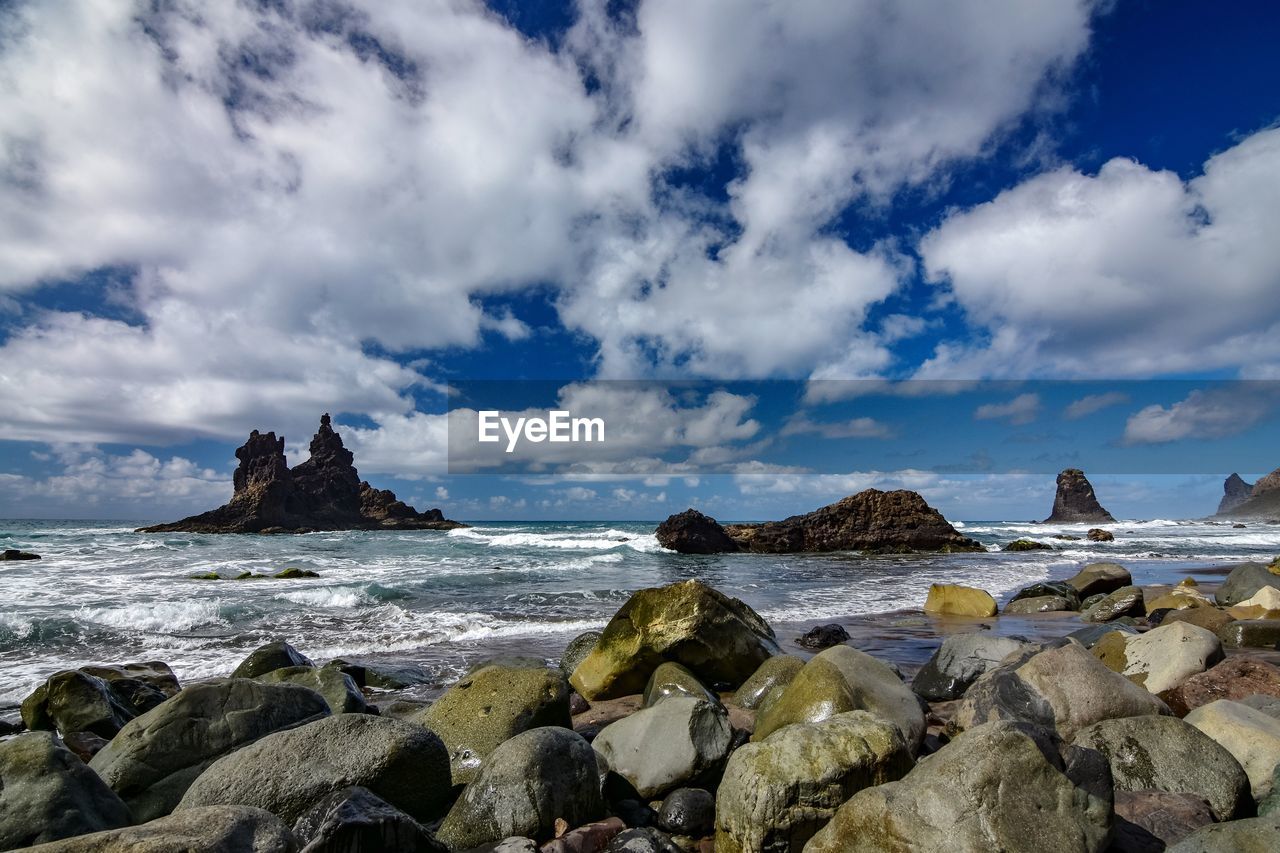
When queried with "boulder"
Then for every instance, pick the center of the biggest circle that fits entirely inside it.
(1235, 678)
(74, 701)
(1248, 734)
(1269, 705)
(14, 554)
(777, 793)
(641, 840)
(1125, 601)
(577, 650)
(844, 679)
(960, 660)
(874, 521)
(1090, 635)
(777, 671)
(530, 781)
(277, 655)
(1162, 658)
(356, 819)
(822, 637)
(1263, 604)
(1060, 589)
(1001, 786)
(679, 741)
(1097, 534)
(1243, 583)
(691, 532)
(1168, 754)
(721, 640)
(1042, 604)
(1026, 545)
(589, 838)
(492, 705)
(46, 794)
(379, 675)
(1150, 821)
(286, 773)
(1252, 835)
(338, 689)
(1209, 618)
(672, 679)
(155, 757)
(209, 830)
(1100, 577)
(690, 812)
(1064, 688)
(1251, 634)
(1176, 600)
(946, 599)
(1074, 502)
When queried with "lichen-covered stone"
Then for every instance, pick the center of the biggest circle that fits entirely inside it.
(1126, 601)
(946, 599)
(337, 688)
(777, 671)
(672, 679)
(1162, 658)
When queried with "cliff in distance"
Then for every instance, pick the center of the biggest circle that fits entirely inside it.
(323, 493)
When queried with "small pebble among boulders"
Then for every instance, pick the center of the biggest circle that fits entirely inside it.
(14, 554)
(681, 727)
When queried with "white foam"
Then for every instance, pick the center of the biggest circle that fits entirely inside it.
(162, 616)
(329, 596)
(593, 541)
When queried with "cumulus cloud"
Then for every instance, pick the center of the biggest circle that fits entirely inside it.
(1021, 410)
(1093, 403)
(1202, 415)
(1129, 272)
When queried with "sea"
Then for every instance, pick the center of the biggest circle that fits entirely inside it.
(433, 603)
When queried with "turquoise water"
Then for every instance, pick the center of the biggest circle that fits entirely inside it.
(103, 593)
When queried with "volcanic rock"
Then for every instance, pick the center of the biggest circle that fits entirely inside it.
(15, 554)
(1235, 491)
(691, 532)
(323, 493)
(1263, 500)
(1075, 501)
(872, 520)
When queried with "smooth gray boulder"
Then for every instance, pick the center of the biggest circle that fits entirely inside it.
(264, 659)
(356, 819)
(960, 660)
(1168, 754)
(492, 705)
(777, 671)
(671, 744)
(157, 755)
(286, 773)
(1251, 835)
(1098, 578)
(1162, 658)
(777, 793)
(841, 679)
(47, 793)
(1269, 705)
(1248, 734)
(1125, 601)
(338, 689)
(1243, 583)
(1064, 688)
(527, 783)
(1001, 786)
(1039, 604)
(217, 829)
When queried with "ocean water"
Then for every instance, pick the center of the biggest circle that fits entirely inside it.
(438, 601)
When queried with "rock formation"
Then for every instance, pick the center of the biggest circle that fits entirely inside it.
(1262, 500)
(1075, 501)
(1235, 491)
(898, 521)
(323, 493)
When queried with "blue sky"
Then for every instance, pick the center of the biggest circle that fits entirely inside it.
(219, 220)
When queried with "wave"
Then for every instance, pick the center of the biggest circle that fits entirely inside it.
(587, 541)
(158, 617)
(329, 596)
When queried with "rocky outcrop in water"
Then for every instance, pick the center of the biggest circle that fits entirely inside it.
(323, 493)
(1075, 501)
(1261, 501)
(882, 522)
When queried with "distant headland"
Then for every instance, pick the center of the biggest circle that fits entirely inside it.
(323, 493)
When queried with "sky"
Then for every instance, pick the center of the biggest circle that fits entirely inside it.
(234, 216)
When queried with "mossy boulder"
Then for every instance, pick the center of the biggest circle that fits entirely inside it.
(672, 679)
(1125, 601)
(1026, 545)
(1040, 604)
(1001, 786)
(295, 573)
(98, 700)
(777, 671)
(777, 793)
(492, 705)
(948, 599)
(1210, 618)
(46, 793)
(278, 655)
(721, 640)
(1251, 634)
(1040, 589)
(838, 680)
(338, 689)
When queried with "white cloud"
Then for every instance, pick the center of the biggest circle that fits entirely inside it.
(1202, 414)
(1093, 403)
(856, 428)
(1021, 410)
(1129, 272)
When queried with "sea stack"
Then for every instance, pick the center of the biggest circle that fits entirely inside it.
(323, 493)
(1075, 501)
(1262, 501)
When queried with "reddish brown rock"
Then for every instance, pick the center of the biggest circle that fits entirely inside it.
(1234, 678)
(1153, 820)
